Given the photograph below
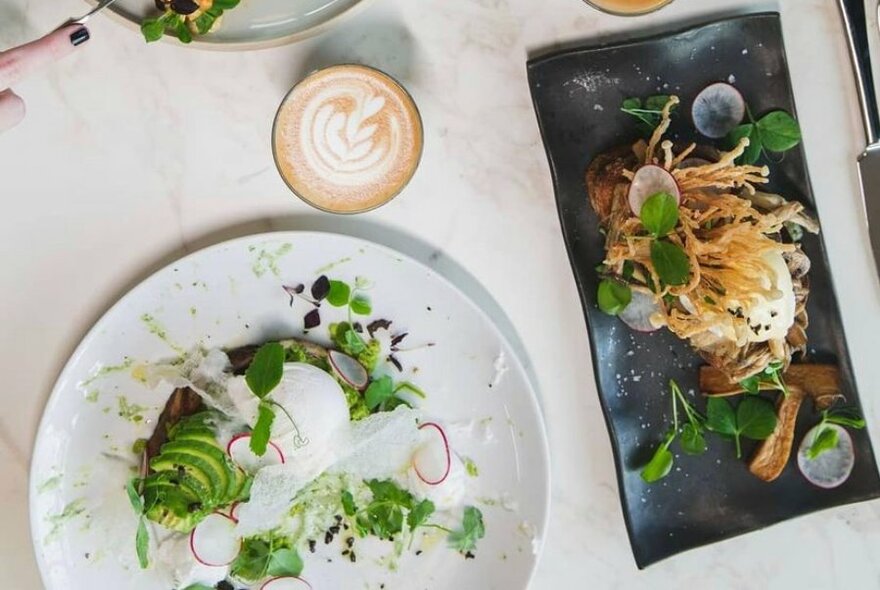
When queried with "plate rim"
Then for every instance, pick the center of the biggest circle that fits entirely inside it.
(91, 333)
(204, 43)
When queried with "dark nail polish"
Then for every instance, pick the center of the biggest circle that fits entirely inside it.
(79, 36)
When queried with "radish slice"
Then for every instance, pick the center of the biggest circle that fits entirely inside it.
(718, 109)
(637, 315)
(432, 461)
(214, 541)
(832, 467)
(286, 583)
(647, 182)
(349, 369)
(233, 511)
(239, 449)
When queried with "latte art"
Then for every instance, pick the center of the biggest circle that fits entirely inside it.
(347, 139)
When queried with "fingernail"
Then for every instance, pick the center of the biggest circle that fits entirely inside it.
(79, 36)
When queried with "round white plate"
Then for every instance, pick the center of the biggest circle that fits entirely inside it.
(254, 23)
(229, 295)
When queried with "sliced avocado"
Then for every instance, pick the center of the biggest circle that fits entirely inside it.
(189, 484)
(197, 433)
(167, 516)
(213, 479)
(209, 454)
(241, 486)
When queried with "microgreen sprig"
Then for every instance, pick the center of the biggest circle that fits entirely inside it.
(142, 537)
(693, 441)
(826, 438)
(262, 376)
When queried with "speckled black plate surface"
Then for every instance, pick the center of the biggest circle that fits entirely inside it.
(577, 95)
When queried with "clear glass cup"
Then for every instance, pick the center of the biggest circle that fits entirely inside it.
(628, 7)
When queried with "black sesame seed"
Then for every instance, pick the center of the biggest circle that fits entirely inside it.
(328, 538)
(418, 552)
(349, 541)
(312, 545)
(352, 557)
(469, 555)
(345, 551)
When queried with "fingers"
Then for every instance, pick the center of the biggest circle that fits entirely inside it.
(11, 110)
(18, 62)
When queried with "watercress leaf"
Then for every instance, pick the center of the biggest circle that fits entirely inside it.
(472, 529)
(348, 505)
(285, 562)
(379, 391)
(848, 417)
(360, 304)
(142, 543)
(265, 371)
(825, 440)
(779, 131)
(659, 466)
(252, 561)
(752, 152)
(354, 344)
(419, 514)
(720, 416)
(657, 102)
(339, 294)
(755, 418)
(183, 32)
(613, 296)
(692, 440)
(751, 384)
(204, 22)
(152, 29)
(670, 262)
(631, 103)
(137, 503)
(262, 430)
(659, 214)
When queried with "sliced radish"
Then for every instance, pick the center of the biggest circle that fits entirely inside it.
(718, 109)
(432, 461)
(239, 449)
(349, 369)
(233, 511)
(647, 182)
(286, 583)
(214, 541)
(637, 315)
(832, 467)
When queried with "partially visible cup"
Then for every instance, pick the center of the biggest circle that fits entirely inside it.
(628, 7)
(347, 139)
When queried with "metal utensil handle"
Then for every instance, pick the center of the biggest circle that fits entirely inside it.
(856, 22)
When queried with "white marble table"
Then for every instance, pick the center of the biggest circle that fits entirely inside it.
(132, 156)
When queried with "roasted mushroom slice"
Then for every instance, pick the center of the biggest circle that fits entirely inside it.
(821, 383)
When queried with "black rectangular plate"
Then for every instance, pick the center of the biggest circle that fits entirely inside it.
(577, 95)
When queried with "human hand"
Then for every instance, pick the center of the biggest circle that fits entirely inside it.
(18, 62)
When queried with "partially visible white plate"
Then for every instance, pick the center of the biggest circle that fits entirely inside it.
(255, 23)
(229, 295)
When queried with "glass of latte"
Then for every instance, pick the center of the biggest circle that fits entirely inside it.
(628, 7)
(347, 139)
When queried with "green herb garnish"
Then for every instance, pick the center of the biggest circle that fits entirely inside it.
(659, 216)
(826, 438)
(649, 112)
(754, 418)
(776, 131)
(771, 376)
(261, 557)
(142, 537)
(692, 440)
(613, 296)
(472, 530)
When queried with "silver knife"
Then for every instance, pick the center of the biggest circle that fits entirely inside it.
(855, 19)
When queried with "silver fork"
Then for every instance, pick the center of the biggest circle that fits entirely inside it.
(85, 18)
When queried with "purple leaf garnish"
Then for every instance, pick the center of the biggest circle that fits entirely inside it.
(293, 291)
(321, 288)
(393, 360)
(358, 327)
(377, 325)
(312, 319)
(399, 338)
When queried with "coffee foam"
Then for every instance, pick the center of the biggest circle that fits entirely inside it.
(348, 138)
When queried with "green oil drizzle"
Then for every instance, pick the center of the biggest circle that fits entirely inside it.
(71, 511)
(129, 411)
(267, 261)
(157, 330)
(332, 265)
(108, 370)
(49, 484)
